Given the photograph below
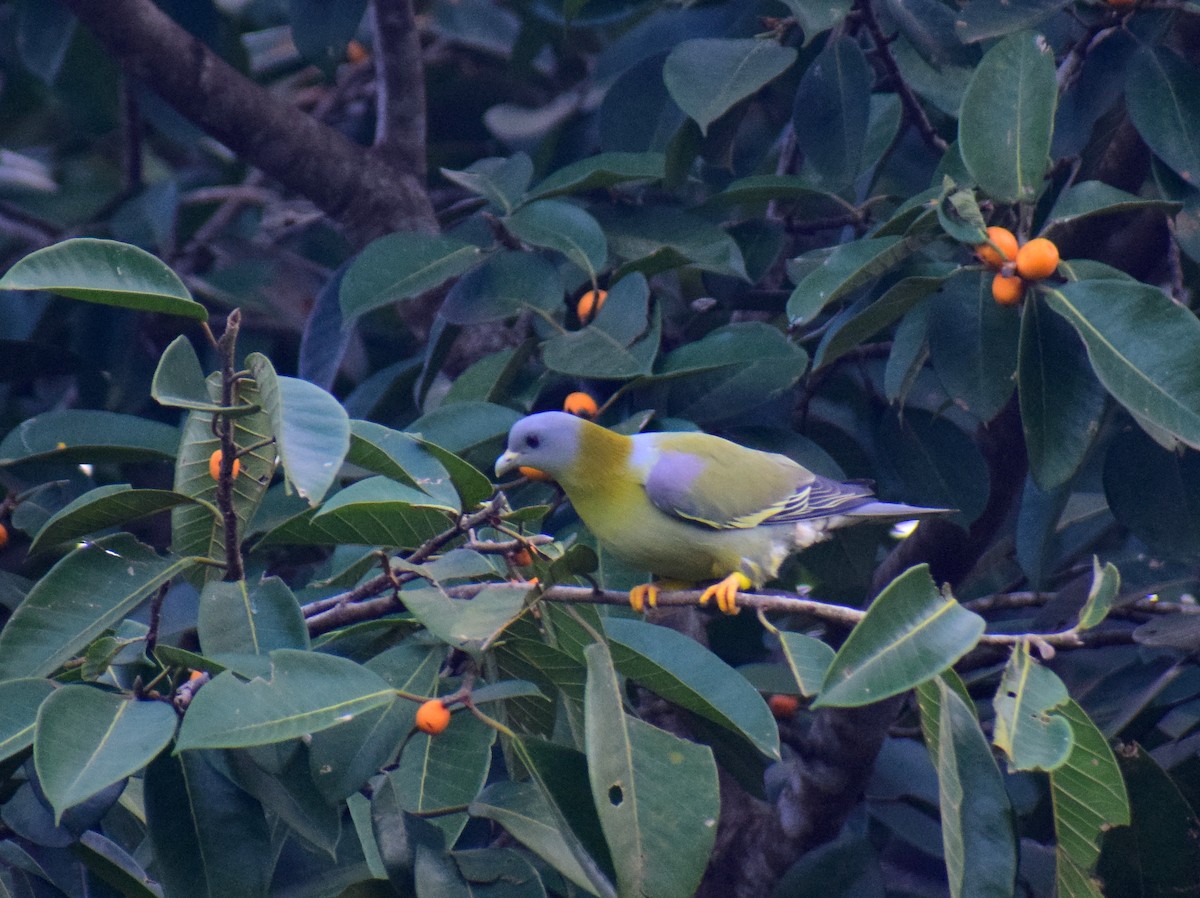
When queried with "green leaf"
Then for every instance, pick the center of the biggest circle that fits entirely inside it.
(816, 18)
(687, 674)
(79, 436)
(1106, 583)
(179, 381)
(733, 368)
(307, 692)
(561, 226)
(805, 201)
(808, 659)
(848, 267)
(1092, 198)
(19, 703)
(832, 113)
(861, 324)
(402, 457)
(501, 181)
(978, 832)
(194, 529)
(1007, 154)
(1154, 492)
(911, 632)
(1158, 854)
(929, 706)
(1026, 730)
(959, 215)
(401, 266)
(654, 239)
(461, 427)
(526, 814)
(280, 778)
(707, 76)
(83, 595)
(343, 758)
(983, 19)
(466, 625)
(938, 465)
(506, 284)
(1162, 93)
(236, 618)
(109, 862)
(600, 172)
(656, 794)
(107, 272)
(312, 430)
(561, 777)
(87, 739)
(102, 507)
(621, 343)
(1142, 348)
(443, 773)
(474, 487)
(209, 837)
(1061, 400)
(380, 512)
(973, 344)
(1088, 793)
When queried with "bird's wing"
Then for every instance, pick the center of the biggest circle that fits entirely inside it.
(715, 483)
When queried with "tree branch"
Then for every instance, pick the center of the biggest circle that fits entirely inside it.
(400, 86)
(367, 194)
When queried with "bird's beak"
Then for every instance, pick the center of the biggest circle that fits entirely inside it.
(506, 463)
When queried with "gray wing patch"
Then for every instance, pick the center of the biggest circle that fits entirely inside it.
(820, 499)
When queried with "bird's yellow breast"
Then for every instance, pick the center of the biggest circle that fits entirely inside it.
(609, 495)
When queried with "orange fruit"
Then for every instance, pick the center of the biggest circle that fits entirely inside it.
(1007, 290)
(3, 536)
(1037, 259)
(533, 473)
(589, 304)
(1004, 240)
(581, 405)
(783, 707)
(432, 717)
(522, 558)
(214, 465)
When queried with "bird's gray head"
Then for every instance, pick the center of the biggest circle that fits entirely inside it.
(548, 441)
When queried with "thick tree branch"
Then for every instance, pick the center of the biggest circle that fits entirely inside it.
(400, 86)
(367, 194)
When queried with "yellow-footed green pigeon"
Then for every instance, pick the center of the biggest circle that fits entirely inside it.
(690, 506)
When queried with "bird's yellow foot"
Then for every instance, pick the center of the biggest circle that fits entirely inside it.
(726, 592)
(642, 595)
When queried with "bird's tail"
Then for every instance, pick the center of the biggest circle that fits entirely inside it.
(893, 510)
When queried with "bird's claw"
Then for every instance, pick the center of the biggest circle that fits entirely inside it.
(726, 591)
(642, 595)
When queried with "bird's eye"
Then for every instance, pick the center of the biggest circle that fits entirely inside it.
(532, 441)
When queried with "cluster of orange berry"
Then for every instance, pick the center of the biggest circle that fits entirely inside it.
(1014, 264)
(214, 466)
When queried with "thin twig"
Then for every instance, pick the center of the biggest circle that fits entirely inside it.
(227, 345)
(580, 595)
(156, 604)
(913, 109)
